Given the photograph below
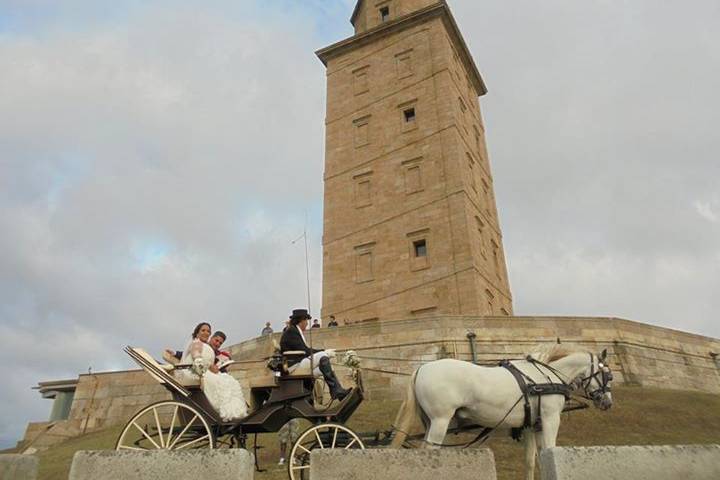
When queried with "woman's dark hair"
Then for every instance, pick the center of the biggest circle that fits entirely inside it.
(199, 326)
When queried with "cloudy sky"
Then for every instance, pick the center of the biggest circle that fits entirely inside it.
(158, 158)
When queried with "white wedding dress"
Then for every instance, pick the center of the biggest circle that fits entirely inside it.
(222, 390)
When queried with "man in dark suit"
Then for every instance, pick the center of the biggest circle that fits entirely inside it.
(293, 338)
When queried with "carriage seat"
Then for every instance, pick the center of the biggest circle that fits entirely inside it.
(172, 368)
(266, 381)
(149, 359)
(170, 359)
(279, 363)
(169, 369)
(297, 371)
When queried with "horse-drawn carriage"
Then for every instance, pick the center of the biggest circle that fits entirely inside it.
(435, 395)
(190, 421)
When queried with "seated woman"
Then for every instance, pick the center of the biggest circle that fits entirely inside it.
(222, 390)
(293, 339)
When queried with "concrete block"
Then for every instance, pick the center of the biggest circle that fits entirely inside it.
(18, 467)
(392, 464)
(234, 463)
(669, 462)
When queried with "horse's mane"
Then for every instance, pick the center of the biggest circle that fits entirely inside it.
(555, 351)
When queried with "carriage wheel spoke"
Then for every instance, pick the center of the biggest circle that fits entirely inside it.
(183, 432)
(172, 425)
(193, 442)
(125, 447)
(159, 428)
(146, 435)
(317, 435)
(180, 434)
(312, 439)
(334, 437)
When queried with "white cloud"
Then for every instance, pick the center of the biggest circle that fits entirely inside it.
(153, 172)
(707, 210)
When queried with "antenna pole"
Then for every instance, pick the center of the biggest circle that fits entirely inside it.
(307, 265)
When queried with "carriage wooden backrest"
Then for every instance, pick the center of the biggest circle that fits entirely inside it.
(155, 370)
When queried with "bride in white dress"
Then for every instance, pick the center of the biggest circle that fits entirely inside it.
(222, 390)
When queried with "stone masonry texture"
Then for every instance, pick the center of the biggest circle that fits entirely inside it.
(18, 467)
(392, 464)
(671, 462)
(234, 463)
(411, 226)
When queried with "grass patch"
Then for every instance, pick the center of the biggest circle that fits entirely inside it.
(640, 416)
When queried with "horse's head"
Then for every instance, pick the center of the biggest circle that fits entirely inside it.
(596, 380)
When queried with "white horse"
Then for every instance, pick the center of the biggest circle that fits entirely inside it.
(446, 390)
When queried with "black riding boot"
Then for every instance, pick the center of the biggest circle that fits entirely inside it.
(336, 390)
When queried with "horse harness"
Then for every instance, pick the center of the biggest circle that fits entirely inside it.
(602, 376)
(530, 388)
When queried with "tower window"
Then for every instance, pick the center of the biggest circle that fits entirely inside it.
(362, 134)
(363, 189)
(404, 63)
(413, 179)
(409, 114)
(471, 168)
(418, 250)
(486, 193)
(364, 263)
(463, 107)
(360, 80)
(496, 257)
(413, 175)
(490, 302)
(384, 14)
(481, 233)
(363, 194)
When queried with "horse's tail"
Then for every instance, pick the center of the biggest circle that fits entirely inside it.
(407, 416)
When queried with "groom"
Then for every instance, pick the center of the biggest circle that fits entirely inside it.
(293, 338)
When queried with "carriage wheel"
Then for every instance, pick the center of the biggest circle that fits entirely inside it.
(325, 435)
(166, 425)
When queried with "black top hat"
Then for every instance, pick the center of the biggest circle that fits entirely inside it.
(300, 314)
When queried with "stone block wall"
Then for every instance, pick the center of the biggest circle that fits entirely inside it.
(640, 354)
(104, 399)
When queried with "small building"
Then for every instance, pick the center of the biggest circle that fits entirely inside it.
(62, 392)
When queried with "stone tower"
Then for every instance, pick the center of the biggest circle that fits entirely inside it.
(410, 222)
